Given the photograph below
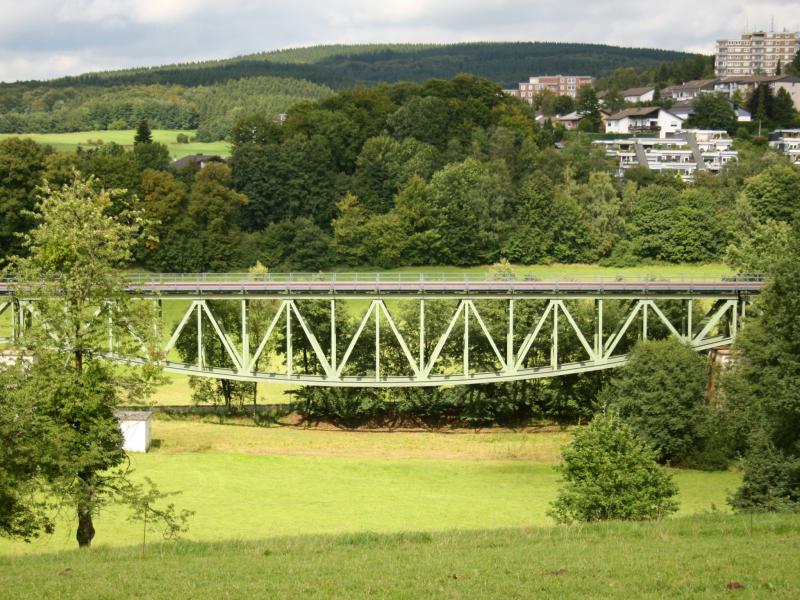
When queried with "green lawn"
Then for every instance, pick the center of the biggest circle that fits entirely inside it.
(250, 483)
(68, 142)
(288, 512)
(710, 556)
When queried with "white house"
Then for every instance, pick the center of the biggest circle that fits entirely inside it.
(645, 119)
(639, 94)
(135, 427)
(689, 90)
(788, 142)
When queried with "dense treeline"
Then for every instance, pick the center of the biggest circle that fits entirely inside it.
(212, 110)
(441, 173)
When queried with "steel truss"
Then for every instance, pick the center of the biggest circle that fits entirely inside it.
(513, 344)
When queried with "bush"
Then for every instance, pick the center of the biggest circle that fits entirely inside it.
(661, 393)
(610, 473)
(771, 479)
(182, 138)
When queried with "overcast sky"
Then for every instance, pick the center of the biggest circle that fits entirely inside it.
(48, 38)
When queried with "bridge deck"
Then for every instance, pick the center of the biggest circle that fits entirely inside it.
(412, 284)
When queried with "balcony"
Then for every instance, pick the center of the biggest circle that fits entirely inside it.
(643, 127)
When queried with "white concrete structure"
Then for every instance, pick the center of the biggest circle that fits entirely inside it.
(646, 119)
(756, 53)
(788, 142)
(135, 427)
(685, 153)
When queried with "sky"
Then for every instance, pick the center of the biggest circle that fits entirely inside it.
(49, 38)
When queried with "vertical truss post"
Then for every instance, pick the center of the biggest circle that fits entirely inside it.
(200, 362)
(377, 344)
(644, 322)
(245, 335)
(510, 362)
(598, 336)
(333, 336)
(466, 339)
(14, 324)
(735, 319)
(554, 347)
(289, 350)
(21, 324)
(422, 334)
(689, 331)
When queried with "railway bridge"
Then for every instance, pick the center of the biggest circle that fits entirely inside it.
(408, 329)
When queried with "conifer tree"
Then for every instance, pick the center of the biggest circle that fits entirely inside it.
(143, 134)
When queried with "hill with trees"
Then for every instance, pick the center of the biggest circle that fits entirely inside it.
(211, 95)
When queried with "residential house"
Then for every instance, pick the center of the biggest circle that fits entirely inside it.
(756, 53)
(786, 141)
(685, 153)
(647, 119)
(639, 94)
(560, 85)
(685, 109)
(689, 90)
(573, 120)
(197, 161)
(790, 83)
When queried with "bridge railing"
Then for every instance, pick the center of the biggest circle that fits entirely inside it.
(417, 277)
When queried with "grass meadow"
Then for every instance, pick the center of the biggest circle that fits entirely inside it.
(286, 512)
(69, 142)
(249, 483)
(708, 556)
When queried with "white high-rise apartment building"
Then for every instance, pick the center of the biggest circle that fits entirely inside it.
(756, 53)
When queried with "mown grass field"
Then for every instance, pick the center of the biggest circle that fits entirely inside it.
(69, 142)
(249, 483)
(709, 556)
(288, 512)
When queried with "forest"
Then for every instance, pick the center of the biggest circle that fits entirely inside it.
(447, 172)
(211, 96)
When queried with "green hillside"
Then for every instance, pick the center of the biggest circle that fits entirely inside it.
(210, 96)
(340, 66)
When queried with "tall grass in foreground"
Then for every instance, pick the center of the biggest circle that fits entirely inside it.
(702, 556)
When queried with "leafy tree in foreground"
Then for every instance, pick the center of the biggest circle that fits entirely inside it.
(610, 473)
(765, 387)
(72, 273)
(661, 393)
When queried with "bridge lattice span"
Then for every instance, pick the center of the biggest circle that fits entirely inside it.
(412, 330)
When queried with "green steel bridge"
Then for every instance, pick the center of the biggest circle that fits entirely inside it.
(486, 328)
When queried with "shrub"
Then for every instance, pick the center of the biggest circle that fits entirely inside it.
(182, 138)
(661, 393)
(771, 479)
(610, 473)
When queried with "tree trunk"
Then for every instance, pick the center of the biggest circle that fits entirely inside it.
(85, 533)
